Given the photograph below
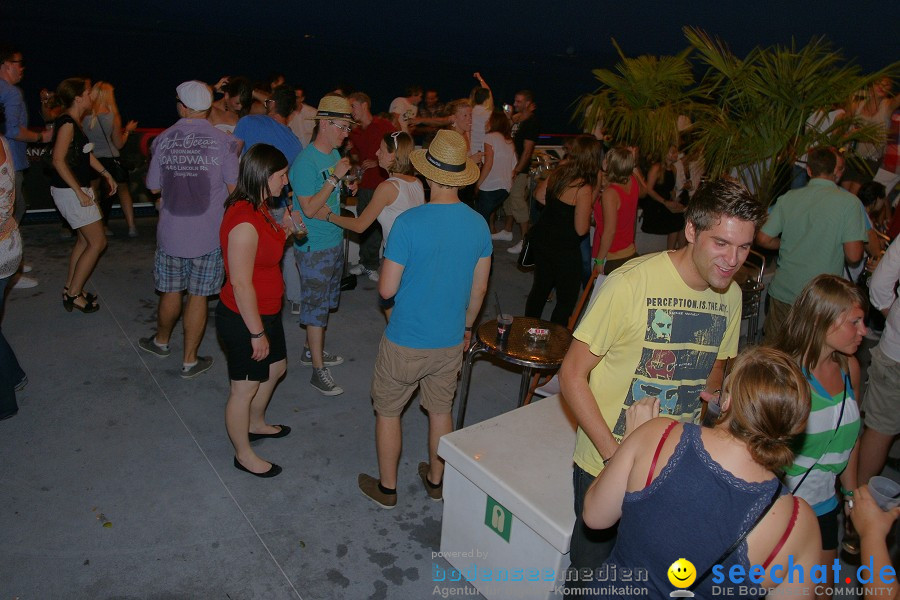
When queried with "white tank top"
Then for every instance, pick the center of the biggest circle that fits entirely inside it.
(410, 194)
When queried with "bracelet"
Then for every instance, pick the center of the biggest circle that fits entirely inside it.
(606, 461)
(328, 217)
(256, 336)
(846, 492)
(469, 329)
(334, 181)
(600, 261)
(104, 172)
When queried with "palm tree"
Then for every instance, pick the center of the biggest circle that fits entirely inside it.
(640, 101)
(752, 113)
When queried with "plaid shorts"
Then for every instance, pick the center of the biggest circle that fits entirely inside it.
(200, 276)
(320, 283)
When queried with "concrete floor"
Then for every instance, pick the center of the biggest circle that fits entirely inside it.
(117, 479)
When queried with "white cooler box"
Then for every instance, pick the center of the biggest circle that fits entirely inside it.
(508, 499)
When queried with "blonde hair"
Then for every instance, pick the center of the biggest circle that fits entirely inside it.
(619, 164)
(400, 144)
(105, 97)
(821, 303)
(769, 404)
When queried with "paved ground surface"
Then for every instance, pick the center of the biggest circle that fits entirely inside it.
(116, 480)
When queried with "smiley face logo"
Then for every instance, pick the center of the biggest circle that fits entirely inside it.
(682, 573)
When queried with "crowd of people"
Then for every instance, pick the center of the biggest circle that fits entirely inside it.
(251, 189)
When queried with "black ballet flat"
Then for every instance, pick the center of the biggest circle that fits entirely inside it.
(272, 472)
(281, 433)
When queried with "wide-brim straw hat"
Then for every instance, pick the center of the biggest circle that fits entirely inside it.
(334, 108)
(446, 161)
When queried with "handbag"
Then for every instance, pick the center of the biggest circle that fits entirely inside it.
(526, 255)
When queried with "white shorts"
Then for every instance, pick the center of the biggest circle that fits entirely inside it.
(71, 209)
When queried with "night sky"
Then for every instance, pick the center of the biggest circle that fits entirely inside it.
(146, 48)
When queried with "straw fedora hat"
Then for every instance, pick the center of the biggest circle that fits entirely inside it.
(445, 161)
(335, 108)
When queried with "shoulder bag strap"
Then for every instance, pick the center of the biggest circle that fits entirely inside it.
(833, 435)
(662, 441)
(738, 541)
(105, 136)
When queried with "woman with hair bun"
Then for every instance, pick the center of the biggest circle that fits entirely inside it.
(679, 490)
(822, 332)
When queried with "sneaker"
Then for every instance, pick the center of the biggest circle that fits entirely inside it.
(295, 309)
(515, 248)
(22, 383)
(321, 380)
(368, 485)
(502, 236)
(27, 268)
(357, 269)
(24, 282)
(203, 364)
(435, 493)
(372, 275)
(132, 232)
(328, 359)
(149, 344)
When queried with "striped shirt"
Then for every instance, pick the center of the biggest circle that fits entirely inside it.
(825, 446)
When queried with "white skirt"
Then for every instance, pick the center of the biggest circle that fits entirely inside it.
(71, 209)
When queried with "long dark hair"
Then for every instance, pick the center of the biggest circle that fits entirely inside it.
(581, 168)
(259, 163)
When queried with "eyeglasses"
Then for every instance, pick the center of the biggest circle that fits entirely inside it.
(394, 137)
(341, 127)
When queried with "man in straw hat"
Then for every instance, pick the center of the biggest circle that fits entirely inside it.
(316, 180)
(431, 324)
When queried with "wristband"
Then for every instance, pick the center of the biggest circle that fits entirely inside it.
(600, 261)
(328, 217)
(606, 461)
(256, 336)
(334, 181)
(104, 172)
(469, 329)
(846, 492)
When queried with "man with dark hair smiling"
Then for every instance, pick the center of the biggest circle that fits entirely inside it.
(661, 326)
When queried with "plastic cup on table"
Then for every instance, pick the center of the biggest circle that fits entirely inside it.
(886, 492)
(504, 324)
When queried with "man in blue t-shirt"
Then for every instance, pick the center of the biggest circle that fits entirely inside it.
(316, 180)
(435, 270)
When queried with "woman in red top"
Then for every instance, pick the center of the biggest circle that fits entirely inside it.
(248, 317)
(615, 213)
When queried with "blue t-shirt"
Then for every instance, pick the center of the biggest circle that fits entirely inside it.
(263, 129)
(438, 246)
(307, 176)
(16, 120)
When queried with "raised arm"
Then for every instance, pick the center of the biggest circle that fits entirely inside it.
(385, 194)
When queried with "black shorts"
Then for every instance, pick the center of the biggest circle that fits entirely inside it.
(828, 526)
(235, 338)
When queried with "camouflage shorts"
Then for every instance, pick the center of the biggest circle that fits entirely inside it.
(320, 283)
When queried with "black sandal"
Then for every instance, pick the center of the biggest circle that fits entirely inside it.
(89, 297)
(88, 307)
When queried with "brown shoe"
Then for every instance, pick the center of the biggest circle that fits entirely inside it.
(435, 492)
(368, 485)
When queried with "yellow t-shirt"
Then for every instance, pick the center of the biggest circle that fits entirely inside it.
(658, 337)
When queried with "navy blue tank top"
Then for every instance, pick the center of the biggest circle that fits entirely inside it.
(694, 509)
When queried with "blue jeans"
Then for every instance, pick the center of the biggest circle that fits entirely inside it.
(289, 271)
(10, 371)
(486, 202)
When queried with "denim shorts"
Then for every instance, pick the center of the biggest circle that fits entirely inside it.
(320, 283)
(200, 276)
